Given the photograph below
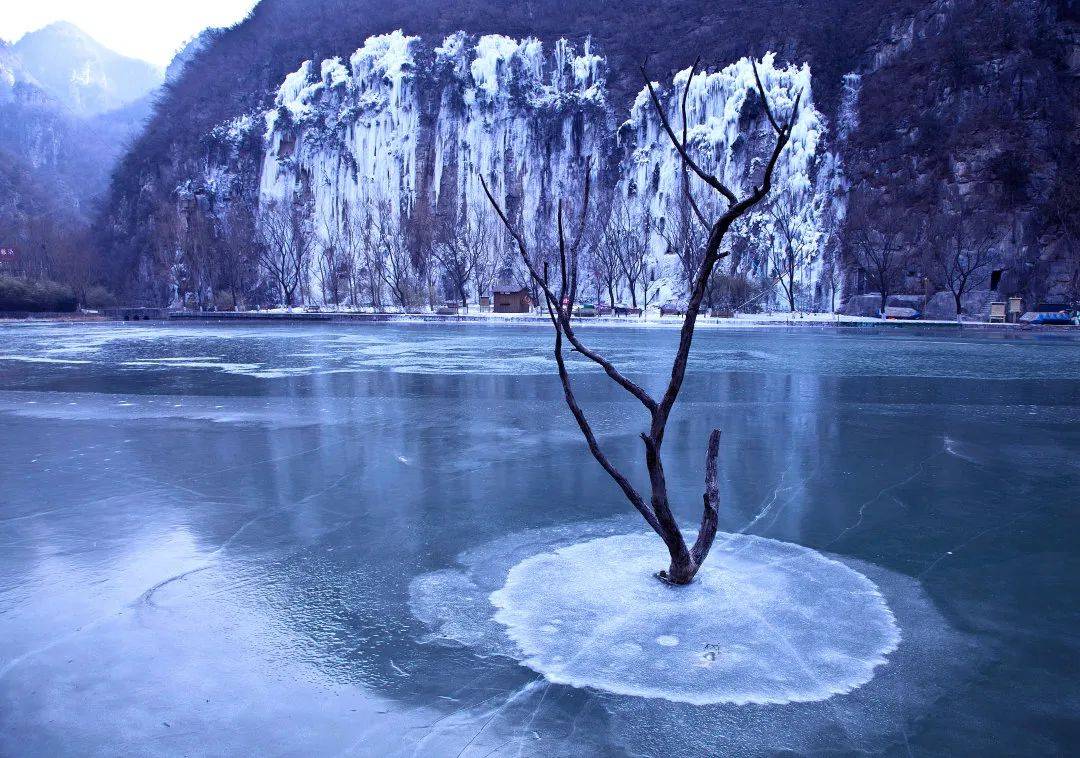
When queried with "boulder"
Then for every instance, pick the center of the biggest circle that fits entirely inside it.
(942, 306)
(862, 305)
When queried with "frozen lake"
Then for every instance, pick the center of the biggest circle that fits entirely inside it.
(231, 540)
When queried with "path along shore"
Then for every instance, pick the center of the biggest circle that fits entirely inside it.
(740, 321)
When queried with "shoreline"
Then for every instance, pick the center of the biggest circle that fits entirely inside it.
(824, 321)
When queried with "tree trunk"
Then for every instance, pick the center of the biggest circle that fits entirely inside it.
(682, 569)
(686, 562)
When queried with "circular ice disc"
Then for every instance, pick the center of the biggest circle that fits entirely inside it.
(765, 621)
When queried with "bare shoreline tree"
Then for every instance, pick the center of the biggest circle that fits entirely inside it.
(790, 252)
(240, 251)
(390, 255)
(604, 271)
(331, 261)
(626, 239)
(366, 252)
(286, 249)
(685, 561)
(962, 253)
(462, 252)
(878, 249)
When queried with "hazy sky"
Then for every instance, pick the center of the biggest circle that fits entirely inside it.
(149, 29)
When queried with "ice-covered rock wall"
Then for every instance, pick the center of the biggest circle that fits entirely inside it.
(730, 136)
(405, 129)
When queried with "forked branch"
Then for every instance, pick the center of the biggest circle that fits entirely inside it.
(563, 314)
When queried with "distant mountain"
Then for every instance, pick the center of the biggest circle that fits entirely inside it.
(84, 75)
(69, 108)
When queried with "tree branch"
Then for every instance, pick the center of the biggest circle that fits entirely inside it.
(564, 318)
(712, 255)
(586, 429)
(705, 176)
(764, 100)
(710, 514)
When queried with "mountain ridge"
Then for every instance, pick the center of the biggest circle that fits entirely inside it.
(80, 72)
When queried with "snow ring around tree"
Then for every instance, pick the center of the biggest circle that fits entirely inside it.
(765, 622)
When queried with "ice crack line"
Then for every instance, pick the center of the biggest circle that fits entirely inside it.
(977, 535)
(886, 490)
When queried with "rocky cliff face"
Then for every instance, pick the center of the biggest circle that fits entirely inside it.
(913, 107)
(977, 105)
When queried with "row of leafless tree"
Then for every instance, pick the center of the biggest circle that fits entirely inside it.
(275, 253)
(373, 254)
(953, 246)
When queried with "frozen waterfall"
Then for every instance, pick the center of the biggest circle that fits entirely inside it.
(401, 133)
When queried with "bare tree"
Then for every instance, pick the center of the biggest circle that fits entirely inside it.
(331, 261)
(486, 266)
(387, 257)
(559, 296)
(792, 248)
(351, 253)
(285, 251)
(398, 272)
(878, 248)
(961, 252)
(78, 265)
(603, 270)
(365, 253)
(627, 237)
(240, 250)
(462, 249)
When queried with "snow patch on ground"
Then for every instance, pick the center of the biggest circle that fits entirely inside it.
(928, 660)
(765, 622)
(38, 359)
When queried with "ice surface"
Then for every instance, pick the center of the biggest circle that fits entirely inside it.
(38, 359)
(279, 355)
(765, 622)
(293, 491)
